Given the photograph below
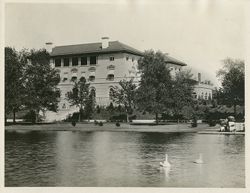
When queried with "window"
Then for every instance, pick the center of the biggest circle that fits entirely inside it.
(66, 62)
(58, 62)
(74, 61)
(111, 92)
(91, 78)
(133, 59)
(127, 58)
(84, 61)
(83, 79)
(65, 79)
(74, 79)
(110, 77)
(93, 60)
(92, 92)
(111, 58)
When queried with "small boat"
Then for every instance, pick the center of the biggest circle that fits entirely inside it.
(165, 164)
(200, 160)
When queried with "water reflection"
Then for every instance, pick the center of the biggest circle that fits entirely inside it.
(122, 159)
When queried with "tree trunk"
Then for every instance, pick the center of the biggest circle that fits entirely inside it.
(80, 111)
(127, 118)
(14, 116)
(235, 110)
(156, 118)
(37, 114)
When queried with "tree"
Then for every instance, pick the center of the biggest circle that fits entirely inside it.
(154, 92)
(125, 96)
(14, 81)
(182, 91)
(232, 76)
(82, 97)
(41, 80)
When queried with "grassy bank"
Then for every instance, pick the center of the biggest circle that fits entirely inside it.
(111, 127)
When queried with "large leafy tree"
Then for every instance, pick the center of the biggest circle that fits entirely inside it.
(41, 80)
(82, 97)
(154, 92)
(182, 91)
(14, 82)
(124, 95)
(232, 77)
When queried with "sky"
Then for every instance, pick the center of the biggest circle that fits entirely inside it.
(200, 33)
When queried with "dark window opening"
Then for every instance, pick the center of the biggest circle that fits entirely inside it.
(84, 61)
(111, 58)
(75, 61)
(66, 62)
(65, 79)
(83, 79)
(92, 92)
(73, 79)
(111, 93)
(93, 59)
(127, 58)
(91, 78)
(110, 77)
(58, 62)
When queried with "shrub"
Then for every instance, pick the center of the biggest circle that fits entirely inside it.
(212, 123)
(73, 123)
(100, 123)
(96, 122)
(117, 124)
(194, 123)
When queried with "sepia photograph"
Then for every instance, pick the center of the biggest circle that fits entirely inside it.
(124, 94)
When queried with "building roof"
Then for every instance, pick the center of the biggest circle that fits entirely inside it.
(94, 48)
(169, 59)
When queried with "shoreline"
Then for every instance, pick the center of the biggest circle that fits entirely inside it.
(124, 127)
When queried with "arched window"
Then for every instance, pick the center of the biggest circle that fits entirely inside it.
(110, 77)
(83, 79)
(91, 78)
(93, 92)
(74, 79)
(111, 92)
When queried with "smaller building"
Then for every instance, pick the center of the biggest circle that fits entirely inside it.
(203, 89)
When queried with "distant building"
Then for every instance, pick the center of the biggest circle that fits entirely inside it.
(203, 89)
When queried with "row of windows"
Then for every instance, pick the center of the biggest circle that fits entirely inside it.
(75, 61)
(110, 77)
(83, 61)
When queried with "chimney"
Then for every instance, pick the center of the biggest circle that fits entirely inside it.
(199, 77)
(49, 46)
(105, 42)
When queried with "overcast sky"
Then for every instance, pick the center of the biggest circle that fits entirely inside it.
(199, 32)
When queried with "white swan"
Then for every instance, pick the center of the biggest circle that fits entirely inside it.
(200, 160)
(165, 164)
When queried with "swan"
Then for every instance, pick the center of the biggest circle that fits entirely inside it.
(165, 164)
(200, 160)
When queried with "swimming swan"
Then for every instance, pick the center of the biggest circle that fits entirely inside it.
(200, 160)
(165, 164)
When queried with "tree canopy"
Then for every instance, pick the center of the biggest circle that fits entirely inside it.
(154, 92)
(41, 82)
(232, 76)
(82, 97)
(124, 95)
(182, 91)
(14, 81)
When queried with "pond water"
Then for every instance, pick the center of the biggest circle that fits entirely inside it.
(123, 159)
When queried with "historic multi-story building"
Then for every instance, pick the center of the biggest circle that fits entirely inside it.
(102, 64)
